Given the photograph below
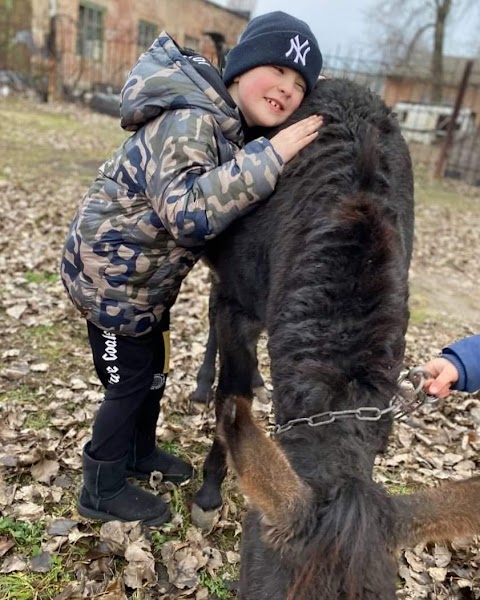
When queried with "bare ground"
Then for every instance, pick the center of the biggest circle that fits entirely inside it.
(49, 393)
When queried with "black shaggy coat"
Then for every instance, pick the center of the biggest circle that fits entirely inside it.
(322, 266)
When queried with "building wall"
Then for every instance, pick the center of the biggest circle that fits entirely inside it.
(15, 17)
(404, 90)
(185, 20)
(181, 18)
(190, 18)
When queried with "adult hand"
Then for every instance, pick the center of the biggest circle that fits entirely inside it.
(443, 375)
(292, 139)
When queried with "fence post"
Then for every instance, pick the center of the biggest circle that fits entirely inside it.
(447, 144)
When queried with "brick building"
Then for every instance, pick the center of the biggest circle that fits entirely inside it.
(93, 43)
(413, 83)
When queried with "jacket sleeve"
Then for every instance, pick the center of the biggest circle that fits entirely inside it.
(194, 195)
(465, 355)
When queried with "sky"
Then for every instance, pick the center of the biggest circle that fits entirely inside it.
(341, 28)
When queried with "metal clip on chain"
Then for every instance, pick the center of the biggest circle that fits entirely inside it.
(416, 378)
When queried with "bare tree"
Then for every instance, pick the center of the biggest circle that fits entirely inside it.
(442, 11)
(407, 30)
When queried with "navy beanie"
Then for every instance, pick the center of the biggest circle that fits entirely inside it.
(276, 39)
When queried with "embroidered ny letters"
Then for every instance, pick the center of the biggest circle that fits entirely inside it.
(298, 48)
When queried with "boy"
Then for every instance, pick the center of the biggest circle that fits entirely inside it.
(457, 368)
(179, 180)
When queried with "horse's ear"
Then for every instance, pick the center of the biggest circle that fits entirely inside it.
(448, 512)
(266, 477)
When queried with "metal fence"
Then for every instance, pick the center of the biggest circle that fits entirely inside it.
(444, 136)
(66, 65)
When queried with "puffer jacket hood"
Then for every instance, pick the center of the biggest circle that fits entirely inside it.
(165, 79)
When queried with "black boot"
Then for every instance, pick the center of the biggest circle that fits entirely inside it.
(107, 496)
(173, 469)
(145, 457)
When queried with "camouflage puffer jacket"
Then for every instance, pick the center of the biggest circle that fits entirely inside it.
(178, 181)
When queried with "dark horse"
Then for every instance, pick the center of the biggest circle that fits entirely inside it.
(323, 267)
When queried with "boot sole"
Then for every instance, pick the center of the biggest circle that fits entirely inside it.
(98, 515)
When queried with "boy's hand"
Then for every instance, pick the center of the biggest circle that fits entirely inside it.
(292, 139)
(443, 375)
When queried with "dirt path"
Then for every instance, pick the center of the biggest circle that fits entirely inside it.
(447, 300)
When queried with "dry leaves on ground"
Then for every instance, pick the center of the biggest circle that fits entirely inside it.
(49, 394)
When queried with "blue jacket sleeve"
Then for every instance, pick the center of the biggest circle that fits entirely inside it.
(465, 355)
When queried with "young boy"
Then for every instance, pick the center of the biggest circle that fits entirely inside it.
(178, 181)
(457, 368)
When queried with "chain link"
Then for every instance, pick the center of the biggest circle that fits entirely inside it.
(399, 405)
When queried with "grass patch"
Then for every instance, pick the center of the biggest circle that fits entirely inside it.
(398, 489)
(46, 340)
(57, 343)
(65, 510)
(74, 151)
(216, 586)
(27, 586)
(158, 540)
(41, 277)
(172, 448)
(420, 311)
(21, 394)
(28, 536)
(179, 506)
(44, 332)
(37, 420)
(443, 192)
(224, 540)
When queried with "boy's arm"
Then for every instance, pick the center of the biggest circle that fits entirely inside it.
(194, 196)
(465, 355)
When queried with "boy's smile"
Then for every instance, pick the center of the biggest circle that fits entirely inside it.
(268, 95)
(275, 104)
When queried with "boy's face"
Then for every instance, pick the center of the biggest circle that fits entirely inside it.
(268, 95)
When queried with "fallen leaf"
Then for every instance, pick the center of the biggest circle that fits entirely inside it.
(61, 526)
(5, 545)
(141, 566)
(39, 367)
(41, 563)
(17, 311)
(29, 510)
(45, 470)
(13, 563)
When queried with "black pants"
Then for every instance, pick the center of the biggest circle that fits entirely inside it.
(133, 371)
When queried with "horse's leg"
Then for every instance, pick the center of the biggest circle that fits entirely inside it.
(237, 336)
(206, 373)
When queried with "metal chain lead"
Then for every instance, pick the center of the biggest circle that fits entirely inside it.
(399, 406)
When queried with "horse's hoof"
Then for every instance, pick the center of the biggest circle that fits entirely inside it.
(261, 394)
(202, 396)
(204, 519)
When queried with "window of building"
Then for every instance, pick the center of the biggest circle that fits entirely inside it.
(147, 32)
(90, 31)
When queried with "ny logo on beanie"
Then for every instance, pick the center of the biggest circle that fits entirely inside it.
(297, 47)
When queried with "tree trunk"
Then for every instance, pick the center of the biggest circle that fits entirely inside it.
(442, 11)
